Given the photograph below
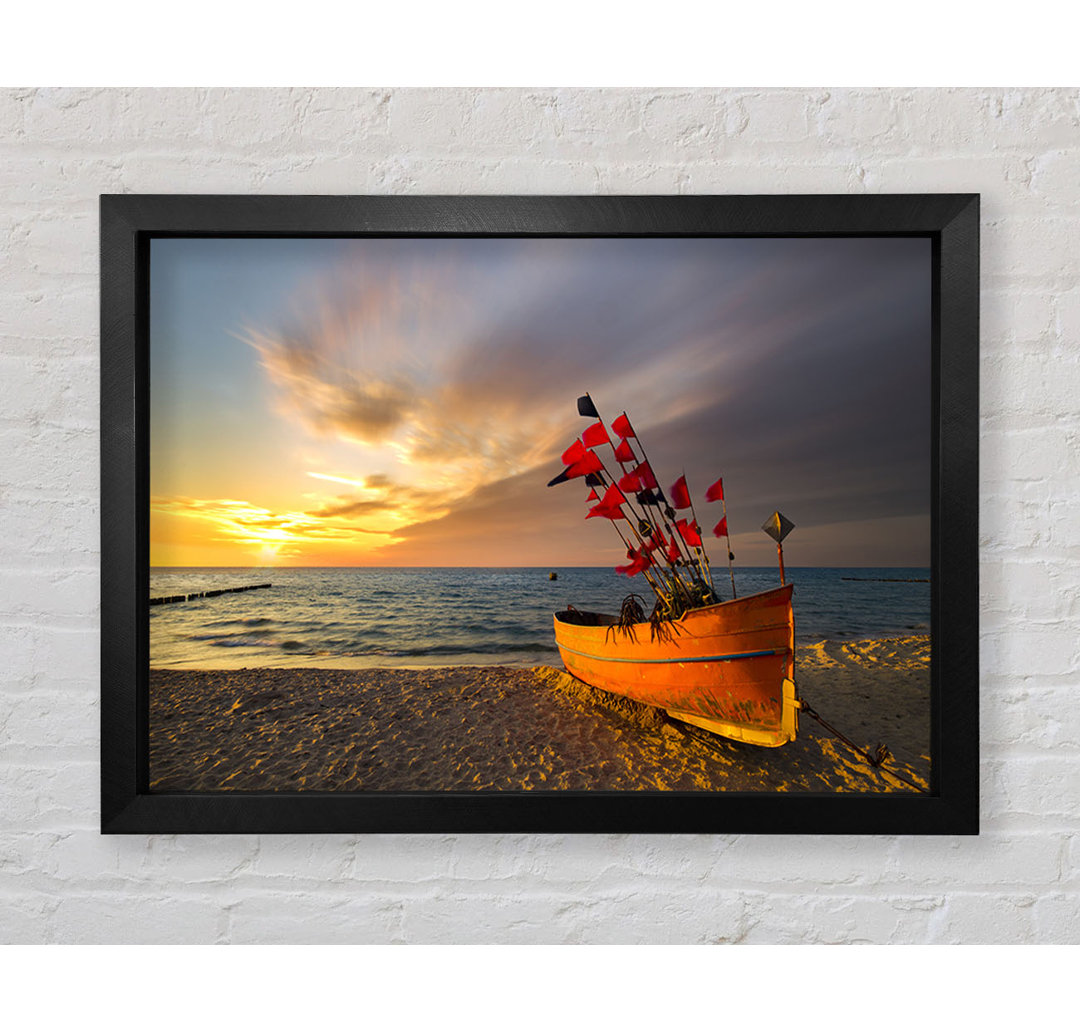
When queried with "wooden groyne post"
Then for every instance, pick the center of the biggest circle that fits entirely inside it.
(204, 595)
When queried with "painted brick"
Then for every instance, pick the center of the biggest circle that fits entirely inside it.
(430, 121)
(1057, 918)
(990, 860)
(26, 918)
(863, 118)
(980, 918)
(47, 306)
(325, 858)
(779, 116)
(25, 470)
(317, 918)
(1043, 786)
(124, 917)
(830, 918)
(1036, 119)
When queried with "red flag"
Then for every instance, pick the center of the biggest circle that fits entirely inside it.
(720, 530)
(588, 463)
(673, 553)
(575, 452)
(595, 435)
(613, 497)
(639, 563)
(691, 533)
(593, 497)
(715, 492)
(648, 479)
(609, 512)
(609, 505)
(680, 496)
(624, 453)
(622, 427)
(630, 482)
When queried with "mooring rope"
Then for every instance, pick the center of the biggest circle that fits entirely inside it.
(877, 759)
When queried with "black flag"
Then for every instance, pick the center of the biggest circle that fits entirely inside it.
(593, 480)
(586, 408)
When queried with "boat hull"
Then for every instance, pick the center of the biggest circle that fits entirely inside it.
(729, 667)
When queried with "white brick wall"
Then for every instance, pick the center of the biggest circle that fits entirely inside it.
(62, 882)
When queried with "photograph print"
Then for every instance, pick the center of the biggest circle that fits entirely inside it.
(540, 514)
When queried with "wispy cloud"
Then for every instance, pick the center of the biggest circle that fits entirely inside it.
(447, 371)
(282, 534)
(406, 359)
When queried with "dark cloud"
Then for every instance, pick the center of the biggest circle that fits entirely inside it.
(803, 378)
(797, 369)
(355, 507)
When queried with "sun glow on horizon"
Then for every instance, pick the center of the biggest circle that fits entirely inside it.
(255, 532)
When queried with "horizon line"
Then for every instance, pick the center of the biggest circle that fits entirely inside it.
(511, 566)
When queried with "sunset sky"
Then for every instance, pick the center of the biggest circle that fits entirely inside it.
(404, 402)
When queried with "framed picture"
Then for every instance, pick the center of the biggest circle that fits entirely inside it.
(541, 514)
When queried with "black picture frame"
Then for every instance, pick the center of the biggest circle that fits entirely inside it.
(129, 222)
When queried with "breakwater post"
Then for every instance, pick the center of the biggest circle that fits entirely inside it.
(204, 595)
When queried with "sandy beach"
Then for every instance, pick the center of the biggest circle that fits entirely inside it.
(506, 728)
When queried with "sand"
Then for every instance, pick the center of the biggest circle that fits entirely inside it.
(505, 728)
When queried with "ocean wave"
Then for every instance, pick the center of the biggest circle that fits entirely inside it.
(233, 641)
(246, 622)
(412, 616)
(463, 649)
(255, 634)
(290, 645)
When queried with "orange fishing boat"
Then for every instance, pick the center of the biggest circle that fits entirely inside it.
(728, 667)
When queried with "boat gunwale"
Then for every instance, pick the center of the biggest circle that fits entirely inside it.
(696, 612)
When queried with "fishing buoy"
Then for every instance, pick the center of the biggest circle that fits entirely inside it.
(553, 576)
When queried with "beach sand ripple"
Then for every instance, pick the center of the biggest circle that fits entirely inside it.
(499, 728)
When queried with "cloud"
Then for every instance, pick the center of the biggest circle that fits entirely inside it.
(329, 397)
(353, 507)
(240, 521)
(797, 369)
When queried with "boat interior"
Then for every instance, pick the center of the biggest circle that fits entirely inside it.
(585, 619)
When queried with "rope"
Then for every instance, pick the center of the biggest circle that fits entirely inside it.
(877, 759)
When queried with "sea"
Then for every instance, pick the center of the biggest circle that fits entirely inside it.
(443, 616)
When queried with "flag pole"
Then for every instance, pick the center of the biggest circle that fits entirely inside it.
(656, 591)
(730, 554)
(633, 523)
(590, 411)
(675, 535)
(659, 594)
(700, 548)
